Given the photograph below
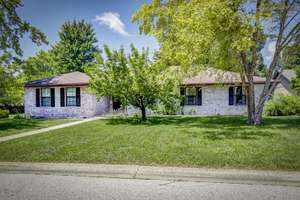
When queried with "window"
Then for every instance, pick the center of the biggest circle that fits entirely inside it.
(46, 97)
(237, 96)
(71, 97)
(240, 98)
(192, 96)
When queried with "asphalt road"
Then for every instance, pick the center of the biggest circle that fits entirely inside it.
(45, 187)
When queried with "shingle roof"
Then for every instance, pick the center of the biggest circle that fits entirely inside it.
(213, 76)
(68, 79)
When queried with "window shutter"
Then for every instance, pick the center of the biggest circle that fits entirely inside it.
(62, 97)
(78, 96)
(199, 96)
(182, 93)
(37, 97)
(231, 95)
(52, 95)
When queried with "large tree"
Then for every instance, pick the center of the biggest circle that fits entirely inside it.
(13, 28)
(76, 47)
(132, 79)
(225, 34)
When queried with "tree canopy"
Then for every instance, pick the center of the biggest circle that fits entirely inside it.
(13, 28)
(132, 79)
(76, 47)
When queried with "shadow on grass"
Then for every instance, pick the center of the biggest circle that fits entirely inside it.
(217, 127)
(6, 124)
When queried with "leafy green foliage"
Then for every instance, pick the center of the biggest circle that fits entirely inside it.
(76, 47)
(11, 86)
(13, 28)
(291, 57)
(283, 105)
(4, 113)
(132, 79)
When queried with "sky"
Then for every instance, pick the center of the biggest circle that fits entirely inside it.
(111, 20)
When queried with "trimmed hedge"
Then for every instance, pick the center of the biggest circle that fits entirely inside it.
(283, 105)
(4, 113)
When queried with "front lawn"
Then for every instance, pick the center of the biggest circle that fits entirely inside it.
(172, 141)
(10, 126)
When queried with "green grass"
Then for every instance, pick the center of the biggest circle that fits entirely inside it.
(172, 141)
(10, 126)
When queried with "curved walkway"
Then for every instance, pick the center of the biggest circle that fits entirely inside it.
(43, 130)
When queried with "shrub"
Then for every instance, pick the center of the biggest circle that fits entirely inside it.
(282, 105)
(4, 113)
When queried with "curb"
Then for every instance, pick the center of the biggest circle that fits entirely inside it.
(235, 176)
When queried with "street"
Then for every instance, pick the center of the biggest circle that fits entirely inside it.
(45, 187)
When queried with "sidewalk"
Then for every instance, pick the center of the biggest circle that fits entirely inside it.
(28, 133)
(285, 178)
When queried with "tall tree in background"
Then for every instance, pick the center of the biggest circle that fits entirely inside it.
(225, 34)
(76, 47)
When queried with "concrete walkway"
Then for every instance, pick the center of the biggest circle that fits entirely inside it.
(43, 130)
(285, 178)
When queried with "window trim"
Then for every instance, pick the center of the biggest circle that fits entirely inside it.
(66, 97)
(42, 97)
(186, 95)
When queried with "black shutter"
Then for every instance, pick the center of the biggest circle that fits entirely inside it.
(199, 96)
(182, 93)
(52, 95)
(62, 97)
(78, 96)
(37, 97)
(231, 95)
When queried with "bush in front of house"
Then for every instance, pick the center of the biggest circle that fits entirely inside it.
(283, 105)
(4, 113)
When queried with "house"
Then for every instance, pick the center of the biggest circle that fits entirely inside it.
(285, 79)
(211, 92)
(63, 96)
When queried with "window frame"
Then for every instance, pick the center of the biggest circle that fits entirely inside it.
(42, 98)
(193, 95)
(241, 96)
(73, 97)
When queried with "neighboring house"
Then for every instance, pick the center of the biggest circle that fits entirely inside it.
(285, 80)
(211, 92)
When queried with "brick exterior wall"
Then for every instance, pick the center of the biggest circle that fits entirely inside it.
(89, 107)
(215, 101)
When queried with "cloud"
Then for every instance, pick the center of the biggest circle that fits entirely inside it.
(112, 20)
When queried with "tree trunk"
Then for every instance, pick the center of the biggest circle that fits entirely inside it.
(143, 110)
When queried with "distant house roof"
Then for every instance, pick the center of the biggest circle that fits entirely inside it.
(214, 76)
(289, 74)
(68, 79)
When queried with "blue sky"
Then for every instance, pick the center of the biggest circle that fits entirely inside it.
(111, 20)
(106, 16)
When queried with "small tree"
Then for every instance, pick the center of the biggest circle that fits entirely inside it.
(132, 79)
(76, 47)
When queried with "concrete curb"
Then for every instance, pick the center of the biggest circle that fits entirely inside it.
(25, 134)
(284, 178)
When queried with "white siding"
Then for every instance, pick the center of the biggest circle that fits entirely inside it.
(89, 107)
